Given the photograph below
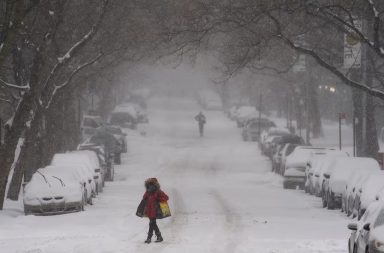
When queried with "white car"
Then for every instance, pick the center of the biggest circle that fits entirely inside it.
(368, 234)
(76, 162)
(324, 166)
(90, 157)
(50, 193)
(335, 184)
(295, 166)
(363, 168)
(369, 191)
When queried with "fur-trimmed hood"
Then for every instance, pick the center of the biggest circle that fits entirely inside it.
(152, 180)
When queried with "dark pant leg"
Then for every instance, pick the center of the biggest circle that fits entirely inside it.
(201, 129)
(153, 225)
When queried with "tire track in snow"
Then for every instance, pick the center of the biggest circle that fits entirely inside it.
(233, 222)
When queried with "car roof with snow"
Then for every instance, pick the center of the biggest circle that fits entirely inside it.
(345, 167)
(300, 156)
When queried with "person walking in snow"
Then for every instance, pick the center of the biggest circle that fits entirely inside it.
(201, 120)
(152, 196)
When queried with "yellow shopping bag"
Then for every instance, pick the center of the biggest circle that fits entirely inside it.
(165, 211)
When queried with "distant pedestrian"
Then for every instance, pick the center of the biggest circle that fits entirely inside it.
(201, 120)
(154, 206)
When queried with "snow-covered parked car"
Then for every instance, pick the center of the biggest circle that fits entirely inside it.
(295, 166)
(91, 160)
(326, 161)
(282, 157)
(54, 190)
(335, 184)
(125, 117)
(367, 236)
(267, 136)
(77, 162)
(253, 128)
(369, 192)
(118, 134)
(365, 168)
(105, 161)
(244, 114)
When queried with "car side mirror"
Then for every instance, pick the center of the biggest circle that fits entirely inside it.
(367, 227)
(316, 175)
(327, 176)
(377, 197)
(352, 226)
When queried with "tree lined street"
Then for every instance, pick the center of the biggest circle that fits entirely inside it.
(223, 198)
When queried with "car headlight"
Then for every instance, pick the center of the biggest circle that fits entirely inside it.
(378, 245)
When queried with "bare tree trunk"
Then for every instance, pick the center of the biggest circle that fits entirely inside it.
(317, 129)
(371, 147)
(28, 160)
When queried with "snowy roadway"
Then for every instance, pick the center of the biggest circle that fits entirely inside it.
(223, 199)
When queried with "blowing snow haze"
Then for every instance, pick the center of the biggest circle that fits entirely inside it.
(191, 126)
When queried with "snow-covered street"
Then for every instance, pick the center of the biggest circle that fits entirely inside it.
(223, 198)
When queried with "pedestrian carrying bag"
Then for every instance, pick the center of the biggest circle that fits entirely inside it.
(141, 208)
(162, 210)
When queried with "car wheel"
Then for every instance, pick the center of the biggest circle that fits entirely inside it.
(286, 185)
(27, 212)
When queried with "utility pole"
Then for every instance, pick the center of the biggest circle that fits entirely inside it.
(308, 123)
(260, 108)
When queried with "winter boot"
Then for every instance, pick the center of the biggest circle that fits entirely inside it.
(159, 238)
(148, 241)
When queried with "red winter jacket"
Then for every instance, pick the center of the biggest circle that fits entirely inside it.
(151, 198)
